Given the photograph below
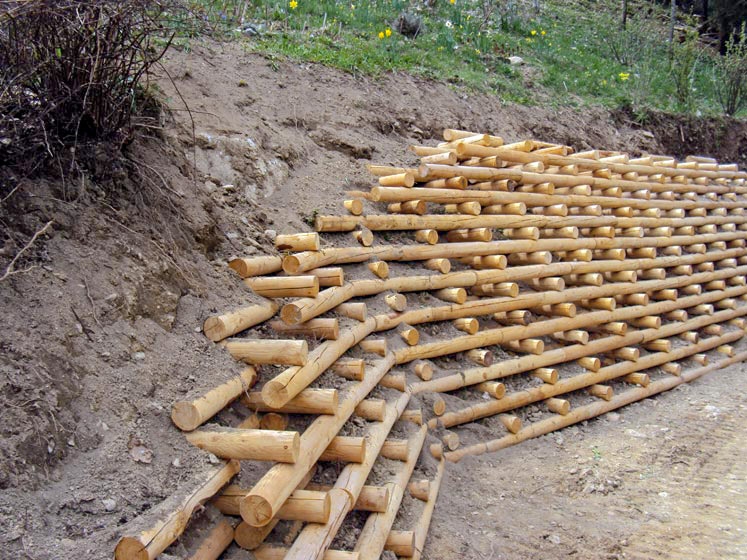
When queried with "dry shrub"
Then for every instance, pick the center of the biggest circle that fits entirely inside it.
(72, 73)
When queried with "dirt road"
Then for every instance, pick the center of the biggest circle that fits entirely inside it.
(664, 478)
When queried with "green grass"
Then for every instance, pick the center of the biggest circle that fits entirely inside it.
(575, 52)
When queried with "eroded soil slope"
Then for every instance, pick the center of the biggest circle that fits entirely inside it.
(104, 334)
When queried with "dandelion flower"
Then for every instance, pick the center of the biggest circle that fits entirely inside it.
(544, 32)
(293, 4)
(452, 1)
(623, 76)
(534, 32)
(388, 32)
(381, 34)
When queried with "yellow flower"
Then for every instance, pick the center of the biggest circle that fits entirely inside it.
(604, 82)
(388, 32)
(293, 4)
(381, 34)
(352, 6)
(477, 51)
(534, 32)
(452, 1)
(543, 32)
(623, 76)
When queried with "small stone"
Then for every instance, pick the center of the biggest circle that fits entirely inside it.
(212, 459)
(138, 356)
(109, 504)
(271, 234)
(663, 494)
(176, 463)
(515, 60)
(613, 417)
(554, 539)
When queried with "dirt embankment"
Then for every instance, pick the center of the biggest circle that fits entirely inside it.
(102, 335)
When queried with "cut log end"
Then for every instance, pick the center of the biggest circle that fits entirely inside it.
(255, 511)
(130, 548)
(185, 415)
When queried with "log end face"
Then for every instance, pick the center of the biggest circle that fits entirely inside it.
(239, 266)
(274, 394)
(291, 264)
(256, 511)
(130, 548)
(290, 314)
(185, 416)
(214, 329)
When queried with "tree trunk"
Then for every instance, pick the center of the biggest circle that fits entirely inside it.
(625, 13)
(705, 10)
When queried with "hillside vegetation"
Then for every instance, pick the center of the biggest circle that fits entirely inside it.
(574, 53)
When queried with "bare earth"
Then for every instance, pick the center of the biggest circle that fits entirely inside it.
(104, 335)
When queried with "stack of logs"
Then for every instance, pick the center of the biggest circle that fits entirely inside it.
(591, 279)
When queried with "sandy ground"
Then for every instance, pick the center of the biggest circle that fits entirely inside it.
(103, 336)
(662, 478)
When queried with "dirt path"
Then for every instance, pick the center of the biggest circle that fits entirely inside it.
(664, 478)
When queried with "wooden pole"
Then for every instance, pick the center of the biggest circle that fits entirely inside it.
(284, 286)
(308, 401)
(260, 445)
(266, 351)
(215, 542)
(218, 327)
(189, 414)
(167, 521)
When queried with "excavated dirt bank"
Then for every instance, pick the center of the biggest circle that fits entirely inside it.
(103, 335)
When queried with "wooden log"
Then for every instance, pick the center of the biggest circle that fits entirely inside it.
(548, 375)
(391, 381)
(261, 504)
(273, 552)
(310, 505)
(171, 517)
(415, 416)
(469, 325)
(353, 369)
(315, 539)
(397, 180)
(218, 327)
(354, 206)
(409, 334)
(421, 530)
(451, 440)
(531, 345)
(423, 369)
(356, 310)
(396, 449)
(454, 295)
(441, 265)
(256, 266)
(364, 236)
(397, 302)
(322, 328)
(371, 409)
(510, 422)
(274, 421)
(343, 448)
(429, 236)
(213, 545)
(371, 498)
(641, 379)
(266, 351)
(379, 268)
(604, 392)
(188, 415)
(308, 401)
(480, 356)
(495, 389)
(260, 445)
(439, 405)
(374, 345)
(419, 489)
(330, 276)
(284, 286)
(297, 242)
(283, 387)
(558, 406)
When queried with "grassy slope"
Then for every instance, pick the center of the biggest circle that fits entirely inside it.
(574, 50)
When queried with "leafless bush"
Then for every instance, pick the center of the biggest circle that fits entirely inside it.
(71, 73)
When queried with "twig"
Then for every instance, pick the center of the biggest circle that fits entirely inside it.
(93, 305)
(6, 197)
(9, 270)
(82, 325)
